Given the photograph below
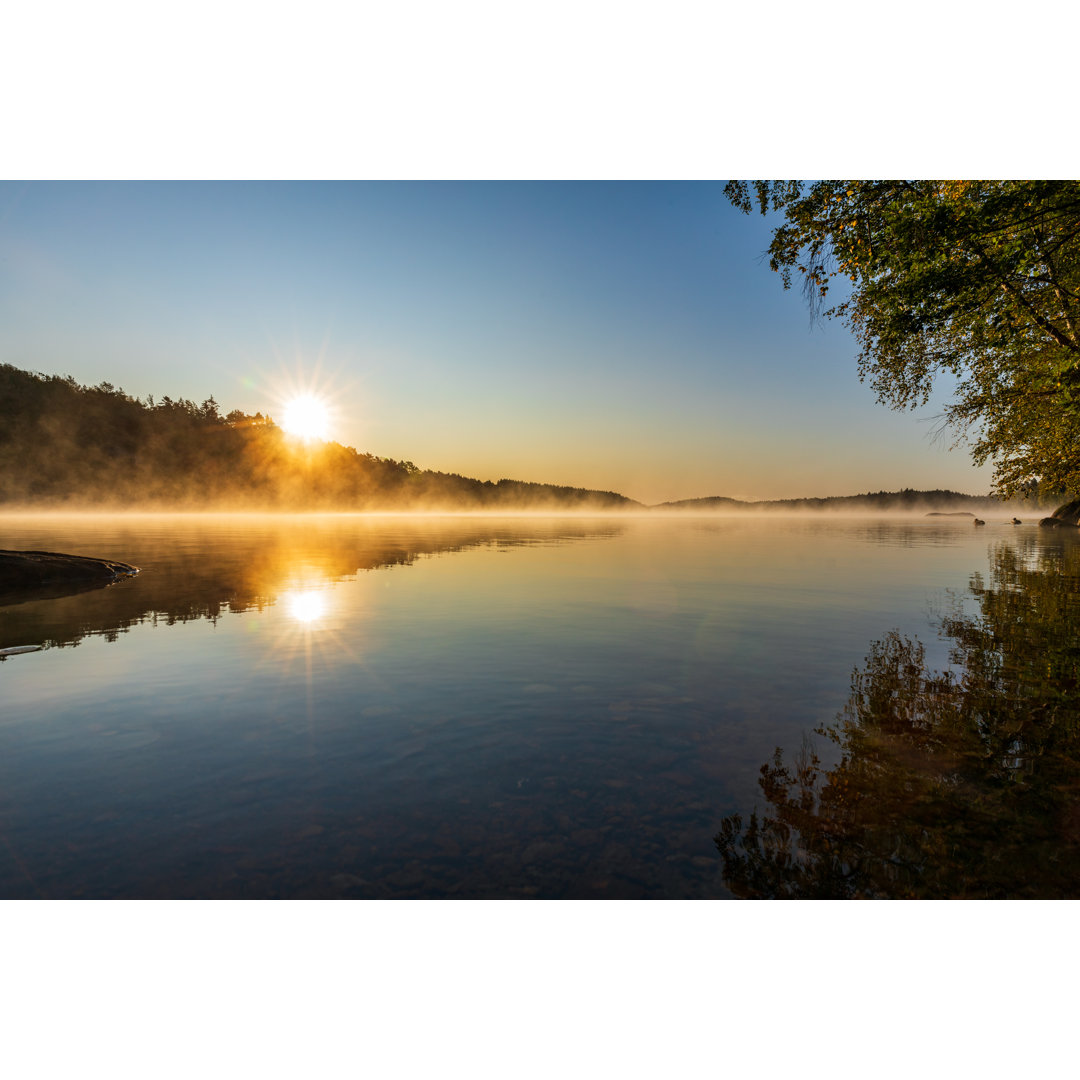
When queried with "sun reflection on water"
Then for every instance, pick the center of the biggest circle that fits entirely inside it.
(306, 607)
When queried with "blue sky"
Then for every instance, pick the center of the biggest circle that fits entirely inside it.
(622, 336)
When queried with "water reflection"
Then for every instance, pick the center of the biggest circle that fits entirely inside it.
(206, 567)
(557, 709)
(306, 607)
(956, 783)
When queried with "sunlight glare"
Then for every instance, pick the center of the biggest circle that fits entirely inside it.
(307, 607)
(307, 417)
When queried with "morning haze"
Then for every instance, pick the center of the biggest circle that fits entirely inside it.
(617, 337)
(93, 448)
(514, 541)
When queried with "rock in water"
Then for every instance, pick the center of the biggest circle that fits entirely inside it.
(1069, 514)
(30, 572)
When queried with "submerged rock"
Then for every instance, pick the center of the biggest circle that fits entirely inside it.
(24, 574)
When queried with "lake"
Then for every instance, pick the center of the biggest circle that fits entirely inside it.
(366, 706)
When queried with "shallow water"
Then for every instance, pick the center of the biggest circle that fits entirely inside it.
(366, 706)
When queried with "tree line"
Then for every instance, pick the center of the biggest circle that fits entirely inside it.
(908, 500)
(62, 443)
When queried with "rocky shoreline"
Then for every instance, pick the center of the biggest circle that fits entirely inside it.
(24, 574)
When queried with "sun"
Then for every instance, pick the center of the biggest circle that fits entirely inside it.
(307, 417)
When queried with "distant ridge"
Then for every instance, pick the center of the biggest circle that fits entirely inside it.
(908, 499)
(62, 444)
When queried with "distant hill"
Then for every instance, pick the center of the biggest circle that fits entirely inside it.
(70, 445)
(66, 445)
(907, 500)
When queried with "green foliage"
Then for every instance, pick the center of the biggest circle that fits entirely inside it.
(979, 280)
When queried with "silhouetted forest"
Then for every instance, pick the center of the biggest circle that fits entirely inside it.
(907, 500)
(62, 443)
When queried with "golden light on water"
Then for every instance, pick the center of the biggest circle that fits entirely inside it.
(306, 607)
(307, 417)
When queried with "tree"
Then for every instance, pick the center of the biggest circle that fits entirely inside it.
(979, 280)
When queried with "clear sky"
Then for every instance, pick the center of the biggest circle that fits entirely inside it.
(622, 336)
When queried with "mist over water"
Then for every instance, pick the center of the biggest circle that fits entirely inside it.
(421, 705)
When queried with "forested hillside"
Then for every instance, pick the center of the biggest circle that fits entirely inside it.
(66, 444)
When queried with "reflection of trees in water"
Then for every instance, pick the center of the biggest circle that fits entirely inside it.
(199, 572)
(962, 783)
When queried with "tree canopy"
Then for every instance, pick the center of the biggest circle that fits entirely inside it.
(979, 280)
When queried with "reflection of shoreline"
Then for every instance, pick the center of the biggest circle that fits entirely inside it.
(198, 568)
(951, 784)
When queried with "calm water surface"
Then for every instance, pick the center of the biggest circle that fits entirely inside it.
(391, 707)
